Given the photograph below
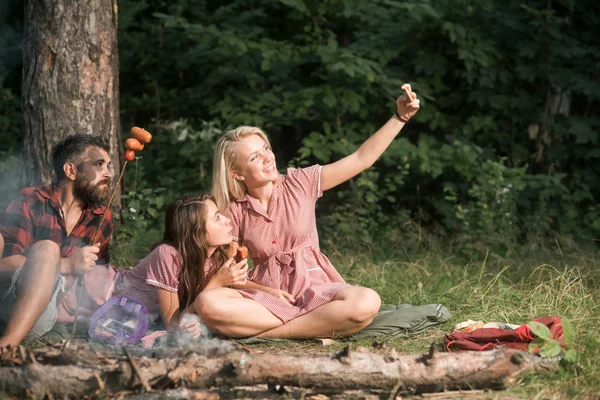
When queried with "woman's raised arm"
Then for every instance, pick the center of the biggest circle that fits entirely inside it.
(340, 171)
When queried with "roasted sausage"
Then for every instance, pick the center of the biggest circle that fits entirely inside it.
(141, 134)
(129, 155)
(134, 144)
(241, 254)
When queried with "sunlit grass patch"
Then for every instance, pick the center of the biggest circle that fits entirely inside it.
(534, 282)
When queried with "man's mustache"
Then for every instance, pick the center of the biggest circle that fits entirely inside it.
(107, 181)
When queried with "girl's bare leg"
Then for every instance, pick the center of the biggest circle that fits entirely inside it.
(229, 313)
(351, 310)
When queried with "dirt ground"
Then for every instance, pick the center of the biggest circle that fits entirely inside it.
(260, 392)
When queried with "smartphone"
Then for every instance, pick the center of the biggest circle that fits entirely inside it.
(115, 326)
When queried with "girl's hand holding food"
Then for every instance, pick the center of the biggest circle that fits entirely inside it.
(232, 273)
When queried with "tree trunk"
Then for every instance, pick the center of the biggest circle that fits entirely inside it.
(70, 79)
(81, 372)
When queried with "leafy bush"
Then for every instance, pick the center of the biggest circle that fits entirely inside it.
(504, 149)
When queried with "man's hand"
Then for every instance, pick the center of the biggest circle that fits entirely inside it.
(81, 261)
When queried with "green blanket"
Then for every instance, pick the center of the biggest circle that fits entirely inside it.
(402, 320)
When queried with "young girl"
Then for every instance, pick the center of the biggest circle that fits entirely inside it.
(184, 263)
(274, 216)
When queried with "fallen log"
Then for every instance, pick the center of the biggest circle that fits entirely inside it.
(99, 374)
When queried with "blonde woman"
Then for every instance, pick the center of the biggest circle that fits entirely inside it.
(274, 216)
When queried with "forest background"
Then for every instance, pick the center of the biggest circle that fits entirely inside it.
(505, 149)
(497, 175)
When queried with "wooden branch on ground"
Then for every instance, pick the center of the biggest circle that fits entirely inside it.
(84, 372)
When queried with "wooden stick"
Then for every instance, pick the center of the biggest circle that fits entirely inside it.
(93, 242)
(108, 204)
(136, 369)
(100, 383)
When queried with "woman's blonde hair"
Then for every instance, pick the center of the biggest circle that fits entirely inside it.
(225, 187)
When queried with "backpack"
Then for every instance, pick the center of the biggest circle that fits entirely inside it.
(121, 320)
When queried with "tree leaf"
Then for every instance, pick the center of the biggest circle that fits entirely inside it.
(540, 330)
(536, 344)
(572, 355)
(551, 349)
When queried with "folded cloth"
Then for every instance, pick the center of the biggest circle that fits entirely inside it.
(148, 341)
(470, 325)
(401, 320)
(490, 338)
(404, 320)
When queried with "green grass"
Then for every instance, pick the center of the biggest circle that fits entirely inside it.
(531, 281)
(534, 281)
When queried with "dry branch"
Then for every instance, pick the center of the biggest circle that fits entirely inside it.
(356, 370)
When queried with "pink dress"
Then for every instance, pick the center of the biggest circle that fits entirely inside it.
(159, 269)
(284, 245)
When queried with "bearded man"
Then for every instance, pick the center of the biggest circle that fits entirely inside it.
(46, 233)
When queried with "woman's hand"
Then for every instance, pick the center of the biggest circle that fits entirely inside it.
(407, 104)
(232, 273)
(281, 294)
(190, 324)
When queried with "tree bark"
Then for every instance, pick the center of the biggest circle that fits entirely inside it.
(70, 79)
(82, 372)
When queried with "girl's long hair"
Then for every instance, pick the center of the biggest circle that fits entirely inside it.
(225, 187)
(185, 229)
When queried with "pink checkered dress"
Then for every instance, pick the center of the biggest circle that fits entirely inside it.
(284, 245)
(159, 269)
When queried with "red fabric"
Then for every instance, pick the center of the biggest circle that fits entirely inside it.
(35, 214)
(490, 338)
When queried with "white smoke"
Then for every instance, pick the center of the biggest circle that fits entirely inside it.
(11, 178)
(206, 340)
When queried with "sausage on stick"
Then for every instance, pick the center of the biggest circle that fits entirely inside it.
(140, 137)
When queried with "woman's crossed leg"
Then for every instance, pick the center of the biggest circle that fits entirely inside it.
(229, 313)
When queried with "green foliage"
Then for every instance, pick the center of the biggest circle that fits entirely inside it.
(503, 151)
(10, 127)
(140, 225)
(547, 346)
(143, 207)
(179, 158)
(11, 32)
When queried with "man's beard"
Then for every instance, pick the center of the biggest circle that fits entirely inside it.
(90, 193)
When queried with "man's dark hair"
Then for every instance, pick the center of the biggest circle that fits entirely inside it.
(72, 149)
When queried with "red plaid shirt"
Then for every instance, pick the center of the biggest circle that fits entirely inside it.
(35, 214)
